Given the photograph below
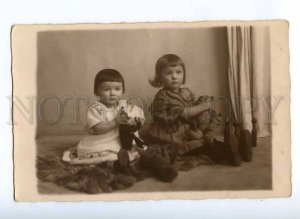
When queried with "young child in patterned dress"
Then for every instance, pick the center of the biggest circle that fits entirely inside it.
(174, 109)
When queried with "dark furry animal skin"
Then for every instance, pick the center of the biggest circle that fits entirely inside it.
(90, 179)
(158, 159)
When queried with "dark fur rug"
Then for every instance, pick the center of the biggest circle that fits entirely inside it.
(102, 178)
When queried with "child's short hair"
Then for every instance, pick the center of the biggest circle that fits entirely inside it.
(168, 60)
(106, 75)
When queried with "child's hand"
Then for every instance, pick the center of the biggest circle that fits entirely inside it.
(195, 134)
(134, 124)
(204, 105)
(205, 101)
(122, 117)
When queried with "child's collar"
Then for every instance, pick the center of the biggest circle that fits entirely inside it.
(176, 92)
(116, 105)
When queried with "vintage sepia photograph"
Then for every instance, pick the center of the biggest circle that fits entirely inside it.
(151, 111)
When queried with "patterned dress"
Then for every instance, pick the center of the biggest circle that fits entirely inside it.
(168, 125)
(102, 147)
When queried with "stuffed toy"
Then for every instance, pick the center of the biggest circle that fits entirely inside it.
(152, 158)
(126, 131)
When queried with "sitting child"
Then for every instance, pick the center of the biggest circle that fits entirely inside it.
(174, 110)
(104, 117)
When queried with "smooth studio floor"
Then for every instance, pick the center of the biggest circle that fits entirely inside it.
(255, 175)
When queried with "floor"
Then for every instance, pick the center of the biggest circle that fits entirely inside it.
(254, 175)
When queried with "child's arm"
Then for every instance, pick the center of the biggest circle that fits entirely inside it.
(103, 128)
(99, 125)
(193, 111)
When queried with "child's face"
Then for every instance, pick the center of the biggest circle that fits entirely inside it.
(172, 77)
(110, 92)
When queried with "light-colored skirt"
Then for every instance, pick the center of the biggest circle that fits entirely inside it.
(94, 149)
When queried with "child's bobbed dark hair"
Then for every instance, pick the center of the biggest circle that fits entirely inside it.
(108, 75)
(168, 60)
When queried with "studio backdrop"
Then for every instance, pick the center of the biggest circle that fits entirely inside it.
(69, 60)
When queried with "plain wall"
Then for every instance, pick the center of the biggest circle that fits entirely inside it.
(69, 60)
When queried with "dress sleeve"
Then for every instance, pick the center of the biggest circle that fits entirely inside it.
(94, 116)
(166, 109)
(98, 113)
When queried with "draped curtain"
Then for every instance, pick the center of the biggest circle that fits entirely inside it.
(249, 76)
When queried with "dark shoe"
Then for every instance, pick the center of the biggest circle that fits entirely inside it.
(246, 145)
